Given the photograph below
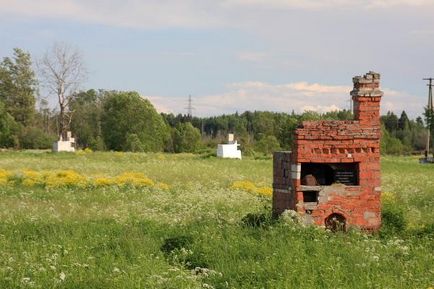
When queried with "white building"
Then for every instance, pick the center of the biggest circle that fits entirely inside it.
(229, 150)
(67, 145)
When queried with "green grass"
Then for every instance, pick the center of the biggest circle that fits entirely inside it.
(125, 237)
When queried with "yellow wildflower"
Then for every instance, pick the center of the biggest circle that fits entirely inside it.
(250, 187)
(247, 186)
(162, 186)
(134, 179)
(4, 176)
(32, 178)
(64, 178)
(388, 197)
(265, 191)
(104, 181)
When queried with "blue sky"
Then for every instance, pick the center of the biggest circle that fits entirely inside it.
(236, 55)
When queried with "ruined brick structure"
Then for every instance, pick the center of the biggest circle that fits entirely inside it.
(332, 176)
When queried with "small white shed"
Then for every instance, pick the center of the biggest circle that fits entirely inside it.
(229, 150)
(67, 145)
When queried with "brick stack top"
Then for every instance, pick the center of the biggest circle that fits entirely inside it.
(366, 96)
(335, 140)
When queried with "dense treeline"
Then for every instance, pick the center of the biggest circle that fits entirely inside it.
(268, 131)
(124, 121)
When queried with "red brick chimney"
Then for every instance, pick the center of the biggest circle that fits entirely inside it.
(366, 99)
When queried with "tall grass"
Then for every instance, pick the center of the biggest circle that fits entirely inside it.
(195, 233)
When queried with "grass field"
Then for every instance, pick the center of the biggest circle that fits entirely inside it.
(124, 220)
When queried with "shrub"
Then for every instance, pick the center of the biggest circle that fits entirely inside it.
(255, 220)
(133, 143)
(176, 243)
(393, 219)
(35, 138)
(267, 145)
(8, 128)
(127, 113)
(186, 138)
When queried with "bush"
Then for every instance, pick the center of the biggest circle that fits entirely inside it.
(186, 138)
(126, 113)
(267, 145)
(133, 143)
(8, 128)
(392, 145)
(97, 144)
(393, 220)
(176, 243)
(35, 138)
(257, 220)
(178, 250)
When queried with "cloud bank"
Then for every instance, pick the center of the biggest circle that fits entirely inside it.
(297, 96)
(178, 13)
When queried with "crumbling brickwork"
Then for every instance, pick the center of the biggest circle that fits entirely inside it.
(332, 175)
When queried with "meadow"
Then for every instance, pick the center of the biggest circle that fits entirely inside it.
(137, 220)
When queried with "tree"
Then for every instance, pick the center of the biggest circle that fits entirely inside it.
(86, 123)
(62, 70)
(186, 138)
(126, 113)
(8, 128)
(403, 121)
(390, 121)
(18, 86)
(268, 145)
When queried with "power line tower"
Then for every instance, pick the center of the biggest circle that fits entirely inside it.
(429, 114)
(189, 108)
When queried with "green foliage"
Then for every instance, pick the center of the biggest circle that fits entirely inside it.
(250, 127)
(8, 128)
(256, 220)
(267, 145)
(393, 219)
(86, 123)
(176, 243)
(133, 143)
(126, 113)
(390, 121)
(391, 145)
(97, 144)
(186, 138)
(35, 138)
(18, 86)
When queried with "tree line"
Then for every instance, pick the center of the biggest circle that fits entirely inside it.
(124, 121)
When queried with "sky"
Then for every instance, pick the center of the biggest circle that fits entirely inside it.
(236, 55)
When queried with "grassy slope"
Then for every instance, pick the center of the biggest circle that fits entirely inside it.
(111, 237)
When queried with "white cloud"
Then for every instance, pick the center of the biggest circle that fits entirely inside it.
(320, 4)
(129, 13)
(398, 101)
(176, 13)
(320, 108)
(297, 96)
(252, 56)
(255, 95)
